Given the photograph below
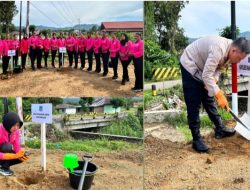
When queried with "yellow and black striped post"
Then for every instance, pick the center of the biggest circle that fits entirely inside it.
(165, 73)
(154, 92)
(28, 118)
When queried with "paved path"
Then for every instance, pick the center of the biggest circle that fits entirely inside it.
(162, 85)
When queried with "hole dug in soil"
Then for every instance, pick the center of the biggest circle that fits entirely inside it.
(30, 178)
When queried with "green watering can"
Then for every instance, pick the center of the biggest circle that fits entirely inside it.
(70, 161)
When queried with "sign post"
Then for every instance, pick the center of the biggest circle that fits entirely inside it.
(62, 50)
(19, 108)
(244, 69)
(12, 53)
(42, 113)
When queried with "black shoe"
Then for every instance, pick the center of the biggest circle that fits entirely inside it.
(127, 79)
(6, 172)
(221, 132)
(115, 77)
(89, 69)
(123, 82)
(104, 74)
(133, 88)
(199, 145)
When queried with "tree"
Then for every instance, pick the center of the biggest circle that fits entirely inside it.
(167, 14)
(127, 103)
(85, 102)
(93, 29)
(117, 102)
(8, 10)
(149, 21)
(226, 32)
(32, 28)
(46, 31)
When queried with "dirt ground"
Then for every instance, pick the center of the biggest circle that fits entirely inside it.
(120, 170)
(68, 82)
(174, 165)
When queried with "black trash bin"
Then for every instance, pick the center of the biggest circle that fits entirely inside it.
(75, 177)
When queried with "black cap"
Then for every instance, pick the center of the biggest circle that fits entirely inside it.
(10, 119)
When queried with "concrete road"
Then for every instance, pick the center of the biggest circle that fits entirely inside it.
(162, 85)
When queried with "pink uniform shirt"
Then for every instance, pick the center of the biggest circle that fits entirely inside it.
(70, 42)
(90, 43)
(138, 49)
(1, 47)
(39, 43)
(32, 42)
(114, 47)
(124, 50)
(16, 44)
(54, 44)
(61, 42)
(46, 44)
(105, 45)
(14, 139)
(7, 45)
(24, 46)
(97, 45)
(82, 44)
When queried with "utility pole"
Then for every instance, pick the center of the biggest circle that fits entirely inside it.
(5, 105)
(79, 20)
(27, 18)
(20, 26)
(19, 108)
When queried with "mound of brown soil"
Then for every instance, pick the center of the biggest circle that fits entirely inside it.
(171, 165)
(121, 170)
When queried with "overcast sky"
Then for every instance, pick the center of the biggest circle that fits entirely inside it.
(201, 18)
(68, 13)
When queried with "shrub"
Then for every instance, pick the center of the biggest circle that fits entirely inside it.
(155, 57)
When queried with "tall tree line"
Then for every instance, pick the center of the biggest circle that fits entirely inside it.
(8, 10)
(161, 24)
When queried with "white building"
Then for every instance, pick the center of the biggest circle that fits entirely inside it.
(68, 108)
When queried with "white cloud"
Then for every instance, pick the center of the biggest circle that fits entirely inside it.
(206, 17)
(88, 12)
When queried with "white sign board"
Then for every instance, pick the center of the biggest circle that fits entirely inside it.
(244, 66)
(62, 49)
(11, 52)
(41, 113)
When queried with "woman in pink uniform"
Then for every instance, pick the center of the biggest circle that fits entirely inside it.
(70, 48)
(89, 49)
(32, 49)
(114, 54)
(61, 44)
(1, 46)
(39, 49)
(54, 48)
(97, 51)
(24, 46)
(10, 149)
(46, 45)
(137, 54)
(105, 53)
(16, 48)
(82, 49)
(76, 51)
(6, 47)
(125, 59)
